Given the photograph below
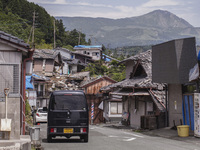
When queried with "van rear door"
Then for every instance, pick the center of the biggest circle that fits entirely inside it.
(68, 110)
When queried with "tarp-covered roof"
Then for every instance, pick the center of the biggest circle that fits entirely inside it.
(88, 46)
(40, 77)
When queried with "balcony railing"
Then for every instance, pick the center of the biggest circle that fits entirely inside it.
(43, 93)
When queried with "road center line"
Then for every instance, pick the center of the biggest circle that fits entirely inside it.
(131, 139)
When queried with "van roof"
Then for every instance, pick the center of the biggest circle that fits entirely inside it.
(62, 92)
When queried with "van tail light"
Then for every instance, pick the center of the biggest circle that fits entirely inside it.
(53, 130)
(83, 130)
(37, 114)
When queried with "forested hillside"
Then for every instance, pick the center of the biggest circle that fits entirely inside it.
(17, 19)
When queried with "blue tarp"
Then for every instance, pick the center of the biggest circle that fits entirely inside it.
(198, 56)
(28, 82)
(35, 75)
(106, 58)
(88, 46)
(188, 111)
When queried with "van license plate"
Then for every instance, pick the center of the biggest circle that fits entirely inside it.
(68, 130)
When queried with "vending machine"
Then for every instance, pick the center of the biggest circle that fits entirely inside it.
(197, 114)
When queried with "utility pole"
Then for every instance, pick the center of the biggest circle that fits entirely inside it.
(33, 45)
(54, 45)
(91, 38)
(79, 38)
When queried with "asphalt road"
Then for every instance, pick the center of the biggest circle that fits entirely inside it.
(103, 138)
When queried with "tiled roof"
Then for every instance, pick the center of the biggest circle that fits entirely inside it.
(154, 89)
(63, 49)
(13, 39)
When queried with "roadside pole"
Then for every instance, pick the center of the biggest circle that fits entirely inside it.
(92, 112)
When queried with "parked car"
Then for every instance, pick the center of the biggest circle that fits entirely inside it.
(41, 115)
(68, 115)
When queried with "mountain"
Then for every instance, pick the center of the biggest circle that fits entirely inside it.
(152, 28)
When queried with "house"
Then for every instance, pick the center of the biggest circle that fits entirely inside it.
(95, 51)
(143, 102)
(30, 92)
(78, 62)
(175, 63)
(14, 54)
(42, 84)
(66, 57)
(46, 62)
(112, 105)
(73, 62)
(94, 97)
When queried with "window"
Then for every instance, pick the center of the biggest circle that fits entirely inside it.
(95, 54)
(10, 78)
(69, 102)
(115, 107)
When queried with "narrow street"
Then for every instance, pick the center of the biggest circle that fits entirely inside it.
(104, 138)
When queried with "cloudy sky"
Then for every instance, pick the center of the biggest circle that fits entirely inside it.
(186, 9)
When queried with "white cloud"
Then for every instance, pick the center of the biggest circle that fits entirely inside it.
(60, 2)
(160, 3)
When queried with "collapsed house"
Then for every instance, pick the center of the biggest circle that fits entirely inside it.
(143, 102)
(94, 97)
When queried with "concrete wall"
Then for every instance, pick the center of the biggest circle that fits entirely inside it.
(135, 114)
(175, 103)
(8, 55)
(13, 105)
(91, 52)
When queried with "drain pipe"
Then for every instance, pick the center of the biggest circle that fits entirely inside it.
(166, 110)
(30, 54)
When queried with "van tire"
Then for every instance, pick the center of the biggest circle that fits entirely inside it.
(49, 139)
(85, 139)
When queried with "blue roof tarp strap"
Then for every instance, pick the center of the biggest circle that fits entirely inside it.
(28, 82)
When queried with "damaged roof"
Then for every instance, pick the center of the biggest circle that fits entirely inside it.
(143, 61)
(87, 83)
(45, 53)
(75, 62)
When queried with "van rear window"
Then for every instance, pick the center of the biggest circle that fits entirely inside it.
(68, 102)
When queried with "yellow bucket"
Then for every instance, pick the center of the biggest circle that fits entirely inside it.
(183, 130)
